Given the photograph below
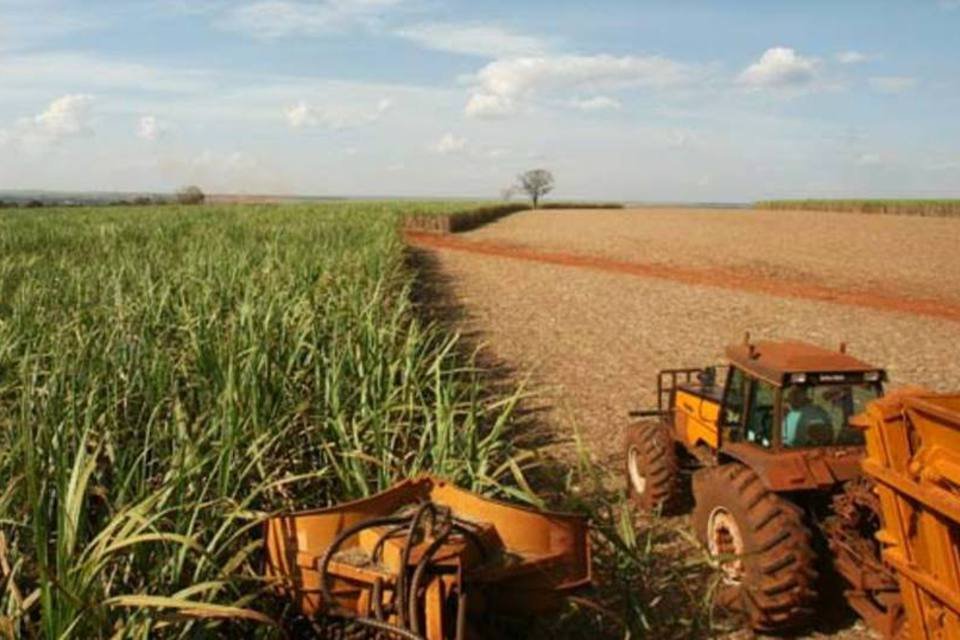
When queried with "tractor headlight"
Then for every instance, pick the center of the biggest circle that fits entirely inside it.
(798, 378)
(871, 376)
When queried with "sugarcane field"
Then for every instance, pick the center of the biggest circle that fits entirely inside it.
(388, 319)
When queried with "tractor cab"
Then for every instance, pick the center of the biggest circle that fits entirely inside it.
(783, 408)
(791, 395)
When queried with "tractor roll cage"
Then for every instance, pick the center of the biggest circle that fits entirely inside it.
(669, 380)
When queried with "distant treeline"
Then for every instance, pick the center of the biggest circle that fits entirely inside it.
(34, 203)
(934, 208)
(581, 205)
(35, 200)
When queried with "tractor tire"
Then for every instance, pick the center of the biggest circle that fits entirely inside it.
(652, 467)
(764, 549)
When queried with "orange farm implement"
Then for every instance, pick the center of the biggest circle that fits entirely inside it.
(426, 560)
(913, 456)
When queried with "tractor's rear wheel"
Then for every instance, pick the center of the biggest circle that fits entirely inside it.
(652, 467)
(761, 544)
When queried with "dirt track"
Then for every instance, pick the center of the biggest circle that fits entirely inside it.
(715, 276)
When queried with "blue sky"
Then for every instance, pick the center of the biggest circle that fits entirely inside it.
(678, 101)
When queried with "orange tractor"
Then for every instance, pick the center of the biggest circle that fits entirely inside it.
(777, 473)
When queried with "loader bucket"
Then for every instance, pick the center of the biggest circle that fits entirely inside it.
(913, 452)
(424, 559)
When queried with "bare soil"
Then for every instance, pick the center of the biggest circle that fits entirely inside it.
(594, 340)
(722, 277)
(902, 255)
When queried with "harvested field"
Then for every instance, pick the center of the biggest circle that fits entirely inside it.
(597, 339)
(908, 257)
(723, 278)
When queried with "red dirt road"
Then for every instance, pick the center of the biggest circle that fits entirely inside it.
(716, 277)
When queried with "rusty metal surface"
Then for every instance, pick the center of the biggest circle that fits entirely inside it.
(913, 446)
(427, 560)
(772, 361)
(795, 470)
(850, 532)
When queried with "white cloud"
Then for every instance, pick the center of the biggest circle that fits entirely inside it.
(854, 57)
(486, 105)
(68, 116)
(65, 117)
(477, 40)
(303, 115)
(869, 160)
(893, 84)
(449, 144)
(780, 67)
(271, 19)
(596, 103)
(500, 87)
(151, 129)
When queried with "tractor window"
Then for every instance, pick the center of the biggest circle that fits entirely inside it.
(736, 393)
(760, 419)
(819, 415)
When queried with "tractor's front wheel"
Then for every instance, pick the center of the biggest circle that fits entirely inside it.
(652, 467)
(761, 545)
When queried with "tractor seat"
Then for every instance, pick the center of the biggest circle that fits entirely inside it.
(814, 434)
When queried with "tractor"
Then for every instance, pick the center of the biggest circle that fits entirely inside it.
(776, 477)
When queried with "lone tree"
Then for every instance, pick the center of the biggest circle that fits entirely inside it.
(536, 183)
(190, 195)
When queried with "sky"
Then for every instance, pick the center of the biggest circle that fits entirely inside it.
(652, 101)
